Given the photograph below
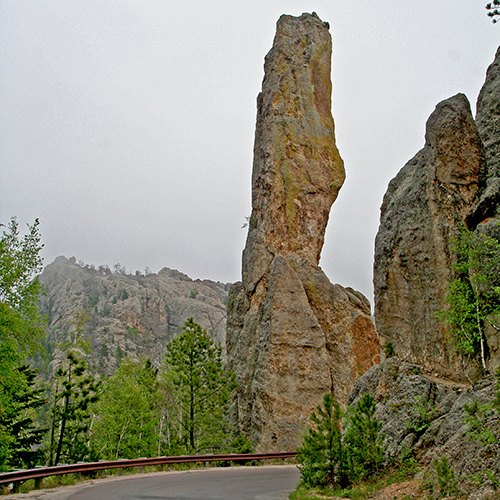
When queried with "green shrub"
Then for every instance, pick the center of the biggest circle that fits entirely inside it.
(441, 481)
(328, 458)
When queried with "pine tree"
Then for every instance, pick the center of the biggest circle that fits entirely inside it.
(337, 451)
(322, 456)
(363, 439)
(200, 388)
(493, 9)
(75, 390)
(20, 420)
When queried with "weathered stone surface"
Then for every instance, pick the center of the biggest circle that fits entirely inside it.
(425, 415)
(292, 336)
(488, 125)
(297, 170)
(423, 209)
(129, 315)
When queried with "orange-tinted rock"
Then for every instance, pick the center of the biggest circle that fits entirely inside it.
(293, 336)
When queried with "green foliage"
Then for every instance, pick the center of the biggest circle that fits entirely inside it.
(493, 9)
(322, 455)
(241, 444)
(20, 328)
(472, 297)
(441, 481)
(328, 458)
(388, 349)
(137, 431)
(199, 389)
(20, 322)
(19, 420)
(363, 439)
(74, 391)
(425, 414)
(476, 416)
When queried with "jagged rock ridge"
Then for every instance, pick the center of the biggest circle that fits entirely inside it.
(129, 315)
(422, 392)
(293, 336)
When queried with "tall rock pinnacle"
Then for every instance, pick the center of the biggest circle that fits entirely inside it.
(293, 336)
(297, 170)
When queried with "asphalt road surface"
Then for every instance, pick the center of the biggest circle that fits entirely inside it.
(235, 483)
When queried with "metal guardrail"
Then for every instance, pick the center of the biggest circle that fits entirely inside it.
(20, 476)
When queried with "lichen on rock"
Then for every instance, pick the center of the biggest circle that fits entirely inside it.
(292, 336)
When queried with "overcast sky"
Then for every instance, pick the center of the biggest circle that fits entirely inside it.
(127, 127)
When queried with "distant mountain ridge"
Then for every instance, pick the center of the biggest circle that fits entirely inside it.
(129, 314)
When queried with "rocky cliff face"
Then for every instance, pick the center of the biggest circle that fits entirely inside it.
(422, 211)
(293, 336)
(488, 124)
(453, 182)
(129, 315)
(425, 415)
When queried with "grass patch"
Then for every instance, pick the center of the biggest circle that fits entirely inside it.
(359, 491)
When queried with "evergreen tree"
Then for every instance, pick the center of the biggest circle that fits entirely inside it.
(494, 10)
(363, 439)
(199, 388)
(322, 456)
(75, 390)
(330, 457)
(19, 419)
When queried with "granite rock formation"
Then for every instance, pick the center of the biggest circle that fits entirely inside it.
(129, 315)
(453, 182)
(292, 336)
(425, 415)
(488, 125)
(422, 211)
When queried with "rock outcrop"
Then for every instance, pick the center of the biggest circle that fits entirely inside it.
(422, 212)
(453, 182)
(488, 124)
(129, 315)
(293, 336)
(425, 415)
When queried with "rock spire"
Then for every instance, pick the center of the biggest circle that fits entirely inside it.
(293, 336)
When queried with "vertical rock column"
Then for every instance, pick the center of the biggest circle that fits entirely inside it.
(285, 319)
(423, 209)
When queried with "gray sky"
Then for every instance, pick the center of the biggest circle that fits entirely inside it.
(127, 127)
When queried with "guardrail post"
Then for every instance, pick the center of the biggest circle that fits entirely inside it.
(38, 483)
(15, 486)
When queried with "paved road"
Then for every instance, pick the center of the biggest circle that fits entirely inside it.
(248, 483)
(232, 483)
